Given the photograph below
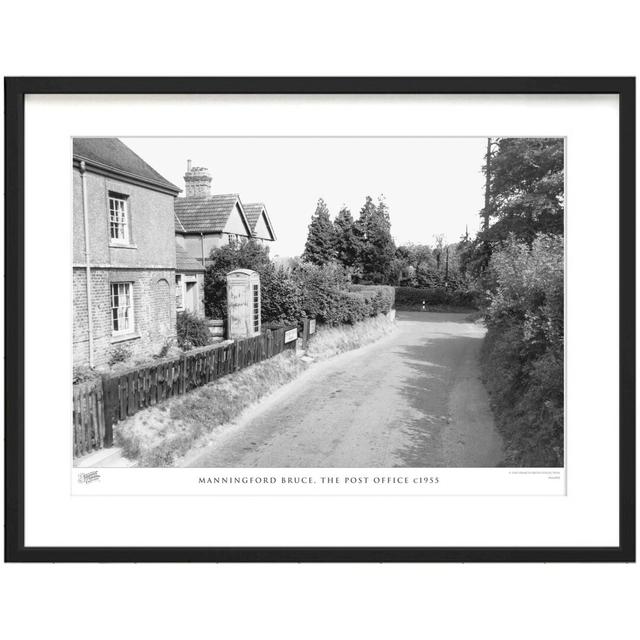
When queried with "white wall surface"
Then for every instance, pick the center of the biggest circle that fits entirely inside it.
(262, 230)
(235, 223)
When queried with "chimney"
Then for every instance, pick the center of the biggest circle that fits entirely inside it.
(197, 182)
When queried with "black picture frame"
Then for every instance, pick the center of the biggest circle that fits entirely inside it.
(15, 91)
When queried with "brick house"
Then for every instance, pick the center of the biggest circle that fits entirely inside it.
(206, 221)
(124, 255)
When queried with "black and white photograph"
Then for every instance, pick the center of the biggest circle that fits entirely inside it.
(318, 302)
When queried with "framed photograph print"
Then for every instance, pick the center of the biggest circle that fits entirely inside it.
(320, 319)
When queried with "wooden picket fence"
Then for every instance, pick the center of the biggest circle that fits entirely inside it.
(88, 417)
(98, 405)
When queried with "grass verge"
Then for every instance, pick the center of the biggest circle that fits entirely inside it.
(156, 437)
(331, 341)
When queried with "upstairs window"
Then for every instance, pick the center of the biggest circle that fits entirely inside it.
(118, 219)
(121, 307)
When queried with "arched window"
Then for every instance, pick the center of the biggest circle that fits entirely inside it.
(162, 306)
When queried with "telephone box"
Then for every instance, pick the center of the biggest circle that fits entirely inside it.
(243, 304)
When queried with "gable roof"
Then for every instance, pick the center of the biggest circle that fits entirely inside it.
(207, 215)
(112, 155)
(184, 262)
(253, 211)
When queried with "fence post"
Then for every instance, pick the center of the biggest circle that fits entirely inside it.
(182, 387)
(305, 332)
(107, 408)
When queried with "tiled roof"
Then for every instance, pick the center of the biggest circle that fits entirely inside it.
(209, 214)
(113, 154)
(178, 225)
(253, 211)
(184, 262)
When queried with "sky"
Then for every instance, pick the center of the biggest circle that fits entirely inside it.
(432, 185)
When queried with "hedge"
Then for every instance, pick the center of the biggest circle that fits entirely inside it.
(523, 352)
(337, 306)
(327, 295)
(435, 297)
(304, 291)
(365, 302)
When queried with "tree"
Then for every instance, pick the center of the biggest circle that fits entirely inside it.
(366, 215)
(348, 239)
(526, 188)
(438, 249)
(248, 255)
(464, 252)
(281, 298)
(416, 255)
(524, 196)
(411, 257)
(378, 251)
(486, 211)
(320, 246)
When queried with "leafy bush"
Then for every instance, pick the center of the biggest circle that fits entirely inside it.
(411, 297)
(281, 297)
(429, 278)
(280, 294)
(119, 353)
(365, 301)
(321, 288)
(192, 331)
(524, 350)
(246, 255)
(164, 350)
(328, 296)
(170, 349)
(386, 295)
(303, 290)
(84, 373)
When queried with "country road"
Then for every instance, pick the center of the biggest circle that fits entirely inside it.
(413, 399)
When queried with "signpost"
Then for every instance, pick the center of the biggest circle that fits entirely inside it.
(291, 335)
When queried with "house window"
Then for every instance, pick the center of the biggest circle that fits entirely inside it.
(121, 307)
(179, 293)
(118, 219)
